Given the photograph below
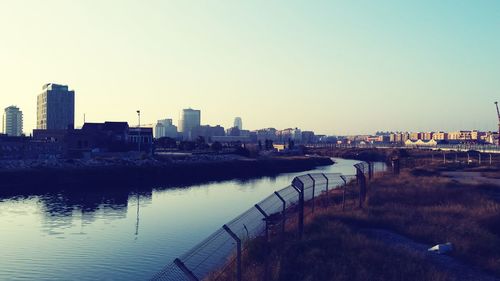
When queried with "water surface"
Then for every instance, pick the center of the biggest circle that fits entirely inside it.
(121, 235)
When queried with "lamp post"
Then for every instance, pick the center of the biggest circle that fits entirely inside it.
(139, 130)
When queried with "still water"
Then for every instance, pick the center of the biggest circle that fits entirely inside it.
(121, 235)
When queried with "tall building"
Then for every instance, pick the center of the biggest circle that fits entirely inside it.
(12, 121)
(238, 123)
(165, 128)
(55, 108)
(190, 119)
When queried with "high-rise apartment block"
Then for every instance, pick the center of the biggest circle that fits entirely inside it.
(55, 108)
(12, 121)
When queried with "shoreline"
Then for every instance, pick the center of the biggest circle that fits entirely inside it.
(163, 174)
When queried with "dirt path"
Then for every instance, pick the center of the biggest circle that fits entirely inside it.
(471, 178)
(459, 270)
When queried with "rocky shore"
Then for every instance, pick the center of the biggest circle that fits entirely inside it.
(113, 173)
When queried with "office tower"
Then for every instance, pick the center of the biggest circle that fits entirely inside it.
(12, 121)
(238, 123)
(190, 119)
(55, 108)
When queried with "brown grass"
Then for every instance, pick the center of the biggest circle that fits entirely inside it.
(423, 207)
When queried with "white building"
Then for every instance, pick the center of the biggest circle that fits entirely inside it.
(12, 121)
(190, 119)
(165, 128)
(238, 123)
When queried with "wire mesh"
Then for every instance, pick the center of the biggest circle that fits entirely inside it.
(213, 253)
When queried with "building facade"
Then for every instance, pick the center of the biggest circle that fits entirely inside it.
(238, 123)
(165, 128)
(12, 121)
(56, 108)
(190, 119)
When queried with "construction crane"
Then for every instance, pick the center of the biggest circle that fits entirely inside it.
(498, 115)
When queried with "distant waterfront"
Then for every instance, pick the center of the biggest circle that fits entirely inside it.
(107, 235)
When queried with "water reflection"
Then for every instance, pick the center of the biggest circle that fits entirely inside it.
(120, 232)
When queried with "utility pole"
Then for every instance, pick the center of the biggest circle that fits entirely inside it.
(139, 130)
(498, 115)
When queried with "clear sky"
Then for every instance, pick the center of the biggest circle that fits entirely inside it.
(335, 67)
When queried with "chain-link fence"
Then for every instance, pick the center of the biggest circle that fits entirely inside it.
(279, 210)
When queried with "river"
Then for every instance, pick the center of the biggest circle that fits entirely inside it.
(121, 235)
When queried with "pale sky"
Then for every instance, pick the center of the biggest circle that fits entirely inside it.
(335, 67)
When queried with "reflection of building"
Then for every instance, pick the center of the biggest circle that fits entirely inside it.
(238, 123)
(189, 119)
(55, 108)
(12, 122)
(165, 128)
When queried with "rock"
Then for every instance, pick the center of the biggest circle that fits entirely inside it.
(441, 248)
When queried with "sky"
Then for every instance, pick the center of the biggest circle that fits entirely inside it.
(335, 67)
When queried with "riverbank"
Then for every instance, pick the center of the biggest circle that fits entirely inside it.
(148, 172)
(388, 239)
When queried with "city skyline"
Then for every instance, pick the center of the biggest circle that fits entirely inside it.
(331, 67)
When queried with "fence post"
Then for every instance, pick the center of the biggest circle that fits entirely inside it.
(343, 196)
(238, 251)
(266, 216)
(490, 159)
(362, 186)
(283, 215)
(370, 170)
(300, 190)
(327, 197)
(395, 166)
(313, 189)
(444, 158)
(189, 274)
(479, 158)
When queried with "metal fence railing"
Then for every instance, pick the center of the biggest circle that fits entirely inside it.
(225, 246)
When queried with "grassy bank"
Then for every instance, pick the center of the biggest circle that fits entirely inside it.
(164, 174)
(424, 208)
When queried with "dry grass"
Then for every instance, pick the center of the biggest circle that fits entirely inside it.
(423, 207)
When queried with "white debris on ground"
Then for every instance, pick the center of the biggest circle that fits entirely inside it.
(442, 248)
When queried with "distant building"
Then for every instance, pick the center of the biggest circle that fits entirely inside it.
(190, 119)
(12, 121)
(289, 134)
(465, 136)
(266, 134)
(233, 132)
(308, 137)
(141, 135)
(421, 143)
(238, 123)
(207, 132)
(440, 136)
(427, 136)
(415, 136)
(55, 108)
(165, 128)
